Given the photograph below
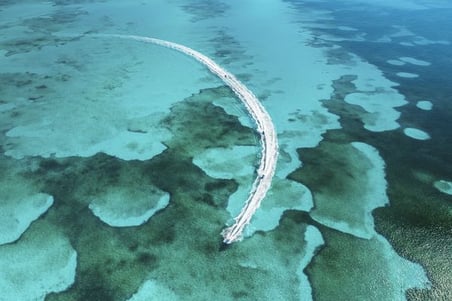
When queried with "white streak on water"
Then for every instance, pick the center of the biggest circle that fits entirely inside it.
(265, 128)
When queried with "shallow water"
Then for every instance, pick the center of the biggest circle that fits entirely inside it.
(121, 161)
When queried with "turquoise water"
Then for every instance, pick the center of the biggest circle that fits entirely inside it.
(121, 161)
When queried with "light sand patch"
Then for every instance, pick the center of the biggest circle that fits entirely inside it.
(345, 261)
(425, 105)
(231, 107)
(384, 39)
(358, 37)
(152, 290)
(347, 28)
(395, 62)
(400, 4)
(380, 106)
(237, 163)
(20, 205)
(416, 134)
(401, 31)
(64, 138)
(419, 40)
(414, 61)
(444, 186)
(283, 195)
(21, 11)
(407, 75)
(7, 107)
(41, 262)
(81, 119)
(348, 183)
(228, 163)
(314, 240)
(376, 96)
(128, 206)
(308, 241)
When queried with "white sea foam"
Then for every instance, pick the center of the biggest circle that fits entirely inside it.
(264, 126)
(296, 197)
(230, 163)
(237, 163)
(234, 109)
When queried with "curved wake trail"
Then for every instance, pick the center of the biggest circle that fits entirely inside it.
(265, 129)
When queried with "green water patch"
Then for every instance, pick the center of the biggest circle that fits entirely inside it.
(418, 218)
(194, 124)
(347, 181)
(205, 9)
(347, 184)
(21, 200)
(178, 247)
(114, 262)
(41, 262)
(29, 27)
(357, 269)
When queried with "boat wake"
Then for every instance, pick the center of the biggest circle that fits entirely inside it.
(265, 128)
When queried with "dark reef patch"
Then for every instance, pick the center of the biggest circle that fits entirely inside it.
(417, 221)
(113, 262)
(205, 9)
